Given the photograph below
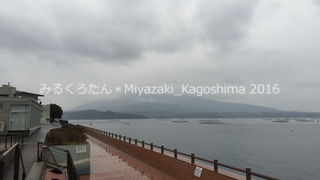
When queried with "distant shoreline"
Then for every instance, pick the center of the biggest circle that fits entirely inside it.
(93, 114)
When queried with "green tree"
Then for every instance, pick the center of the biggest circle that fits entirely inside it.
(55, 111)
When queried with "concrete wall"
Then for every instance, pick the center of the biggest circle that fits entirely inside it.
(4, 116)
(35, 116)
(7, 90)
(45, 118)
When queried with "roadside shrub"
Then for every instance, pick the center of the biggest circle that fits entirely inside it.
(66, 135)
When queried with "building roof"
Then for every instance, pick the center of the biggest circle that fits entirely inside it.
(28, 93)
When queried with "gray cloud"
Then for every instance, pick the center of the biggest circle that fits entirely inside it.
(149, 41)
(316, 2)
(310, 85)
(224, 29)
(118, 30)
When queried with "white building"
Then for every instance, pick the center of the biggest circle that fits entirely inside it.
(20, 111)
(45, 118)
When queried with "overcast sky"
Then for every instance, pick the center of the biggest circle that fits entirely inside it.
(174, 41)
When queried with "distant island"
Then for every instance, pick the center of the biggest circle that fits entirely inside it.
(94, 114)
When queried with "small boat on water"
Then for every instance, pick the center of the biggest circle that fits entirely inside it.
(281, 121)
(305, 120)
(180, 121)
(211, 121)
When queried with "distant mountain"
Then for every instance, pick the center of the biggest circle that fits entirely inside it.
(174, 107)
(180, 103)
(94, 114)
(186, 107)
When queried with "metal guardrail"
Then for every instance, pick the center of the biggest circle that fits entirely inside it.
(13, 153)
(161, 149)
(8, 140)
(58, 157)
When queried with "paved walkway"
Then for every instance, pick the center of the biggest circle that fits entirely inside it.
(112, 164)
(29, 150)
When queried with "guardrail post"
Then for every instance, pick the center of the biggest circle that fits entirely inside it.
(120, 137)
(5, 141)
(129, 140)
(151, 146)
(162, 149)
(192, 158)
(135, 142)
(248, 174)
(143, 144)
(38, 157)
(16, 164)
(216, 165)
(1, 167)
(175, 153)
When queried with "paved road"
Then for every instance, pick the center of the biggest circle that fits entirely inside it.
(40, 135)
(29, 150)
(109, 163)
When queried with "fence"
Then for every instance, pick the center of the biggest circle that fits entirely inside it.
(57, 157)
(192, 158)
(13, 153)
(8, 140)
(72, 172)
